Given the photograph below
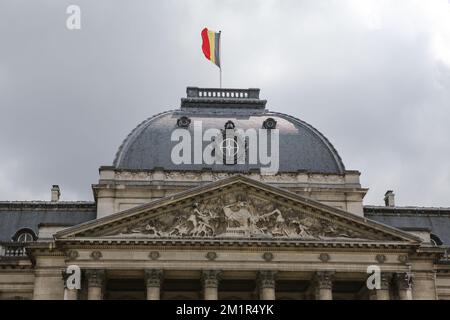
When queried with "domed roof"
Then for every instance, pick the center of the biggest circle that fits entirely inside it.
(301, 147)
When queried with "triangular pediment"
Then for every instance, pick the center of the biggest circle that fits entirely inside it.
(236, 208)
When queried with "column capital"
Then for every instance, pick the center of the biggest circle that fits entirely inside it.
(95, 277)
(403, 280)
(65, 275)
(153, 277)
(324, 279)
(211, 278)
(385, 280)
(266, 279)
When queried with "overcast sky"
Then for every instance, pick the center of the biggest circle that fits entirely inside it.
(372, 76)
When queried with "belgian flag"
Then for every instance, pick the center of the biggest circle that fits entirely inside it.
(211, 45)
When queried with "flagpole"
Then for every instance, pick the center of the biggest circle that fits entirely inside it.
(220, 58)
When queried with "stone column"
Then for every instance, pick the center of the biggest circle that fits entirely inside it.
(96, 280)
(424, 286)
(48, 284)
(323, 281)
(403, 282)
(385, 284)
(210, 283)
(69, 294)
(266, 285)
(153, 281)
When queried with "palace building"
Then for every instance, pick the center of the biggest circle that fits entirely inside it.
(163, 230)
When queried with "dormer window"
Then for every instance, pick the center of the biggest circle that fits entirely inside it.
(269, 124)
(435, 240)
(24, 235)
(183, 122)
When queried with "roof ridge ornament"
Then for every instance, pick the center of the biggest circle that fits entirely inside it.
(229, 125)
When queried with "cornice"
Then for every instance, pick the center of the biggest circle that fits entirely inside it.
(230, 243)
(48, 205)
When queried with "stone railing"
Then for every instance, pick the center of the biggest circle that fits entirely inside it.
(194, 92)
(12, 249)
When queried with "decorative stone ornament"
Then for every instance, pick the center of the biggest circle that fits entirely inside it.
(211, 256)
(183, 122)
(211, 278)
(65, 276)
(266, 279)
(153, 277)
(385, 280)
(238, 213)
(324, 279)
(380, 258)
(324, 257)
(229, 125)
(403, 258)
(268, 256)
(96, 255)
(403, 280)
(72, 254)
(269, 123)
(154, 255)
(95, 277)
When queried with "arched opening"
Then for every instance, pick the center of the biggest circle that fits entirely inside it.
(435, 240)
(24, 235)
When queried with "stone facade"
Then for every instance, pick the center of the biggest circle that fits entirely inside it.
(119, 189)
(304, 265)
(163, 233)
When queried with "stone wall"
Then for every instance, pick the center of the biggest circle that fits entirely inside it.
(120, 190)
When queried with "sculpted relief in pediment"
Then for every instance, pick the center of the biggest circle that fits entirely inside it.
(240, 216)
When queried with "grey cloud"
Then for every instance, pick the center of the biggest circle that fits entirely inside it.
(376, 88)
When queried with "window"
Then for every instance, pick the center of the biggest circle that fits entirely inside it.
(24, 235)
(435, 240)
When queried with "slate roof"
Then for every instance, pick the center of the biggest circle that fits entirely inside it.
(435, 219)
(17, 215)
(302, 147)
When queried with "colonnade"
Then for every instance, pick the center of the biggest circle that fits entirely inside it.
(321, 285)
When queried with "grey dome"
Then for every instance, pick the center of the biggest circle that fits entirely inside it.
(302, 147)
